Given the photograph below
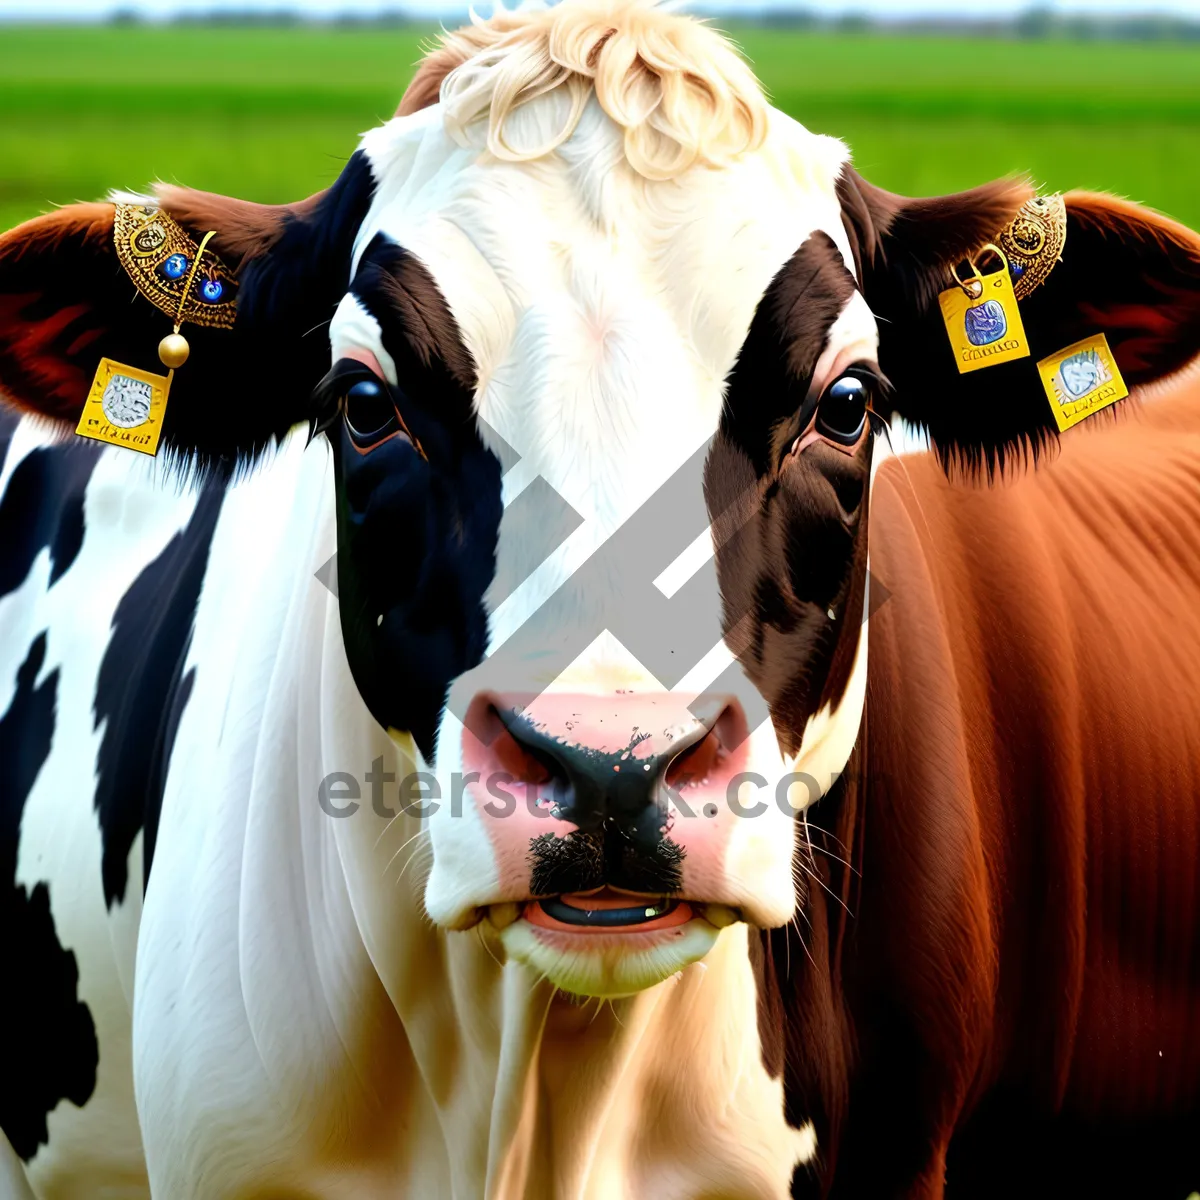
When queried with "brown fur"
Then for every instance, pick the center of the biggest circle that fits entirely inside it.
(244, 230)
(1153, 316)
(417, 305)
(790, 529)
(919, 240)
(452, 50)
(65, 302)
(49, 317)
(1019, 965)
(426, 84)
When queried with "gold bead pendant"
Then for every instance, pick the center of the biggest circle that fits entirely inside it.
(174, 350)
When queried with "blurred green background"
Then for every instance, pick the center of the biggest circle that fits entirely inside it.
(272, 113)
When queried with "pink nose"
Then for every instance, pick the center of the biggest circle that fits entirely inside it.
(639, 779)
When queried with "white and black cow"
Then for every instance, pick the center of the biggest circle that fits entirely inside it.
(336, 769)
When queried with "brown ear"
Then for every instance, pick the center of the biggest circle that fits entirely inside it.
(904, 248)
(66, 302)
(1135, 275)
(62, 292)
(1126, 272)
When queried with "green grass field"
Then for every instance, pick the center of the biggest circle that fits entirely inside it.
(270, 114)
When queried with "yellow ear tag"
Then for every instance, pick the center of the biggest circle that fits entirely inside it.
(982, 318)
(1081, 380)
(125, 407)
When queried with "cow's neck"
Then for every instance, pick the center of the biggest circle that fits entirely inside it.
(664, 1093)
(538, 1094)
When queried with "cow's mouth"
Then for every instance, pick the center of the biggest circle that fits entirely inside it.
(609, 942)
(607, 909)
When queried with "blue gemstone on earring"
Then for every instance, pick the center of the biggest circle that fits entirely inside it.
(985, 323)
(211, 290)
(175, 266)
(1016, 270)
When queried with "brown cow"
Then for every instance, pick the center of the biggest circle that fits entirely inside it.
(1002, 942)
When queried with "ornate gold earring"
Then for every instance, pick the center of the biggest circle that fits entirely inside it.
(125, 405)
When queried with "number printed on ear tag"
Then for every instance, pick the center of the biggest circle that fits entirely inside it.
(125, 407)
(982, 319)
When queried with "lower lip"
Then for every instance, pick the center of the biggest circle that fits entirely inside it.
(537, 916)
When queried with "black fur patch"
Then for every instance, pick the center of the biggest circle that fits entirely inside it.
(417, 536)
(49, 1042)
(279, 346)
(43, 507)
(141, 691)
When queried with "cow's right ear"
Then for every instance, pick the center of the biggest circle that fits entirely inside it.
(1121, 270)
(66, 301)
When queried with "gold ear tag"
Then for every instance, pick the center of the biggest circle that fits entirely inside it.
(982, 318)
(1081, 380)
(125, 407)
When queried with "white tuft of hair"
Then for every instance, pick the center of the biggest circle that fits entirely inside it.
(678, 90)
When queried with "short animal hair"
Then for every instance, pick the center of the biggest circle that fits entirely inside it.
(677, 88)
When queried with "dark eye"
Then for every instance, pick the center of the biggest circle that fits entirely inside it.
(843, 410)
(369, 411)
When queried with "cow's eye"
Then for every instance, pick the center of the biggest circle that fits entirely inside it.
(843, 410)
(369, 410)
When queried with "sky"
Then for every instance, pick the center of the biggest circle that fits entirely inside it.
(72, 9)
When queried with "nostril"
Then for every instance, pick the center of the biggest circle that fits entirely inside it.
(497, 739)
(703, 759)
(696, 763)
(521, 762)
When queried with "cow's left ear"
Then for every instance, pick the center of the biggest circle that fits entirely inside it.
(68, 299)
(1125, 271)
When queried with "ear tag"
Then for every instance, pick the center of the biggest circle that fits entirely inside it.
(125, 407)
(1081, 380)
(982, 319)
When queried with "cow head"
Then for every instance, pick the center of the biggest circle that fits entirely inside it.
(612, 348)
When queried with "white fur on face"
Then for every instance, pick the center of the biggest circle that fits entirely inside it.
(604, 313)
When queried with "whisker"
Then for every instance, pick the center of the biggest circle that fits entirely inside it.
(832, 894)
(812, 872)
(803, 944)
(613, 1007)
(824, 833)
(409, 842)
(483, 942)
(837, 858)
(391, 821)
(411, 859)
(808, 831)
